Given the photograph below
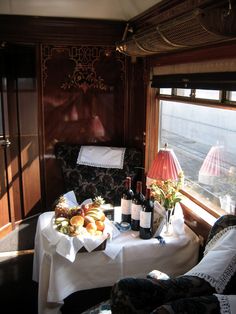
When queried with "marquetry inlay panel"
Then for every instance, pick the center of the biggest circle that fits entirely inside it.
(83, 95)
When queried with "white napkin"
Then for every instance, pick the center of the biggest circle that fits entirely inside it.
(227, 303)
(219, 262)
(177, 221)
(101, 156)
(113, 249)
(70, 199)
(68, 246)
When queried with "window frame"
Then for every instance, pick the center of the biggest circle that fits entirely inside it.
(152, 132)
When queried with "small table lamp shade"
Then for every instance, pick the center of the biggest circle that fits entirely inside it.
(212, 166)
(165, 166)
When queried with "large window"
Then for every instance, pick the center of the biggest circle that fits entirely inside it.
(204, 141)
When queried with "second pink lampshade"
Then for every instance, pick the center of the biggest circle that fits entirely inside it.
(212, 166)
(165, 166)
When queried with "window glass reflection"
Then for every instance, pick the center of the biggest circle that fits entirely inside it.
(204, 141)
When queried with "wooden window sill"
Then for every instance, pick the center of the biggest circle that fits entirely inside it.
(197, 218)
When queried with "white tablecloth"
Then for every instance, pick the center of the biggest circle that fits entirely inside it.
(58, 277)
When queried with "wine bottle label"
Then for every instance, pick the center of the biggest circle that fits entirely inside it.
(126, 206)
(135, 211)
(145, 219)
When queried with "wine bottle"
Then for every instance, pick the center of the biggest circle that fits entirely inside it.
(126, 201)
(136, 207)
(146, 214)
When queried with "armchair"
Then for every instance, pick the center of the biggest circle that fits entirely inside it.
(196, 292)
(88, 182)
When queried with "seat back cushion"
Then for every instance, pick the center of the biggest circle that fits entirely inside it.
(89, 182)
(220, 224)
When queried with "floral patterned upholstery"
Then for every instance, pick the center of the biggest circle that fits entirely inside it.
(88, 182)
(134, 295)
(221, 223)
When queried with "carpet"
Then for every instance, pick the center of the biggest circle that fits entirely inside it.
(22, 238)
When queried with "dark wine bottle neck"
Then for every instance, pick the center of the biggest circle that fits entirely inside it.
(128, 183)
(148, 194)
(139, 187)
(148, 203)
(127, 192)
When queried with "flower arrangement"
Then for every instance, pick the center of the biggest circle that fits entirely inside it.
(166, 192)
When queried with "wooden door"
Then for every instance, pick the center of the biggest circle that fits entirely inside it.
(20, 194)
(7, 218)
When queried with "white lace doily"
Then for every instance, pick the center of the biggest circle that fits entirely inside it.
(219, 262)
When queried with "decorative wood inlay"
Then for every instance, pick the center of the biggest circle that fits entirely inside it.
(85, 59)
(83, 101)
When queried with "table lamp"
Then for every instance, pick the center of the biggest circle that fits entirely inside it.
(165, 166)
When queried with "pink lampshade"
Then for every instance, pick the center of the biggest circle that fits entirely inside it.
(212, 166)
(165, 166)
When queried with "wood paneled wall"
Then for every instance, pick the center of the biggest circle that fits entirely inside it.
(91, 95)
(83, 101)
(87, 91)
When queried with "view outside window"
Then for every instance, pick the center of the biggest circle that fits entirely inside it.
(209, 94)
(165, 91)
(204, 141)
(183, 92)
(232, 96)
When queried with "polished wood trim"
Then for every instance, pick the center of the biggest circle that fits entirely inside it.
(53, 30)
(7, 214)
(152, 127)
(41, 131)
(207, 208)
(135, 109)
(215, 52)
(199, 225)
(16, 253)
(199, 102)
(6, 229)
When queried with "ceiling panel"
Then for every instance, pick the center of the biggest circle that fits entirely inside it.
(95, 9)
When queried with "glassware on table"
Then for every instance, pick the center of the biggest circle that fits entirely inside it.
(168, 227)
